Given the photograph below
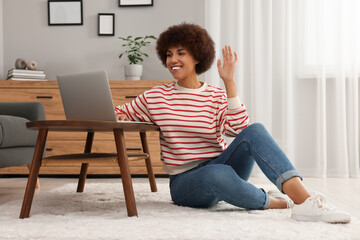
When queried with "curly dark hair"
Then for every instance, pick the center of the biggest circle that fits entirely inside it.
(192, 37)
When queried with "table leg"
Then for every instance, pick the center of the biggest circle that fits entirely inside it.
(34, 173)
(84, 166)
(125, 172)
(37, 181)
(150, 172)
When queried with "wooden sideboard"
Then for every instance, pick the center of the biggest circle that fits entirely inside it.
(48, 93)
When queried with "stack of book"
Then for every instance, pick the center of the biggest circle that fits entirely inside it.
(26, 75)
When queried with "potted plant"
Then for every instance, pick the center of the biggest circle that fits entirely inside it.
(135, 54)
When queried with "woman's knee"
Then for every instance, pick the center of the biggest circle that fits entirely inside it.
(256, 127)
(254, 130)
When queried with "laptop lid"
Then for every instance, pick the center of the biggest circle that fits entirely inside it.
(87, 96)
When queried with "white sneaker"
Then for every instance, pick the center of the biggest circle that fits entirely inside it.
(317, 209)
(277, 194)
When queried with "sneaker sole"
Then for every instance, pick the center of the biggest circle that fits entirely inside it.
(319, 219)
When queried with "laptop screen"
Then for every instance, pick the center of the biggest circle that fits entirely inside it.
(87, 96)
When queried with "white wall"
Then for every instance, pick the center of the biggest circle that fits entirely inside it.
(1, 41)
(67, 49)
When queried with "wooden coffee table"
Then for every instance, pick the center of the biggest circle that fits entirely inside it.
(86, 158)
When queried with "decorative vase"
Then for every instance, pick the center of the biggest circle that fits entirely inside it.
(133, 72)
(20, 63)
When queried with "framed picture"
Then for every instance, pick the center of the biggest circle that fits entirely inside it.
(66, 12)
(106, 24)
(135, 3)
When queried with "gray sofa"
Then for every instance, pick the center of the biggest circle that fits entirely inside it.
(17, 143)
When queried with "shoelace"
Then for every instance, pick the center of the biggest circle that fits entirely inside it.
(321, 202)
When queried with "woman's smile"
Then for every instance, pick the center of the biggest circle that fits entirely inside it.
(176, 68)
(181, 63)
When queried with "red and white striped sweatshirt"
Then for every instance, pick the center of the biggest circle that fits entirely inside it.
(191, 122)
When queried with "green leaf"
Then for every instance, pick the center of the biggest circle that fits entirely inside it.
(131, 58)
(150, 36)
(133, 47)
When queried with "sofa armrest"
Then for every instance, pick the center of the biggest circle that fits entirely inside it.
(13, 132)
(33, 111)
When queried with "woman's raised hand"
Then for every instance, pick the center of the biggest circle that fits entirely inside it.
(227, 71)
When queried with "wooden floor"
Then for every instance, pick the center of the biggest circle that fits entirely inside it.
(341, 192)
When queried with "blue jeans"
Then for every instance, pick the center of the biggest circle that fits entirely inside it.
(224, 178)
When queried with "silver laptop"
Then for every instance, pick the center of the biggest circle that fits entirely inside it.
(87, 96)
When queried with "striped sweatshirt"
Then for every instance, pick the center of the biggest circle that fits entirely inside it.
(191, 121)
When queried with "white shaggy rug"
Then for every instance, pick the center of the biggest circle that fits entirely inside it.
(100, 213)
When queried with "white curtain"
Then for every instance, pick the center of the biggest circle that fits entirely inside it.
(298, 74)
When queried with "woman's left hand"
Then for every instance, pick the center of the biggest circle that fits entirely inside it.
(227, 71)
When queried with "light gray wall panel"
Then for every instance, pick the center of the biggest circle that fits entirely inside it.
(1, 42)
(68, 49)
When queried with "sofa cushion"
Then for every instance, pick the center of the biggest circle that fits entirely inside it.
(16, 156)
(13, 132)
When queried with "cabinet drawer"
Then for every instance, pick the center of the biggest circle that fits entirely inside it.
(99, 136)
(59, 143)
(69, 147)
(121, 96)
(50, 98)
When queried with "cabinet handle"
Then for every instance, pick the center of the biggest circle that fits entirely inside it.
(49, 149)
(133, 149)
(130, 96)
(49, 97)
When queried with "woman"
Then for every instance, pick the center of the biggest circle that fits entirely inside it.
(193, 116)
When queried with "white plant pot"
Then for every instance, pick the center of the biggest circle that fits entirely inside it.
(133, 72)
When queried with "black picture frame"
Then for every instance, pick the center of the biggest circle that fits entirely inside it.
(65, 12)
(136, 3)
(106, 24)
